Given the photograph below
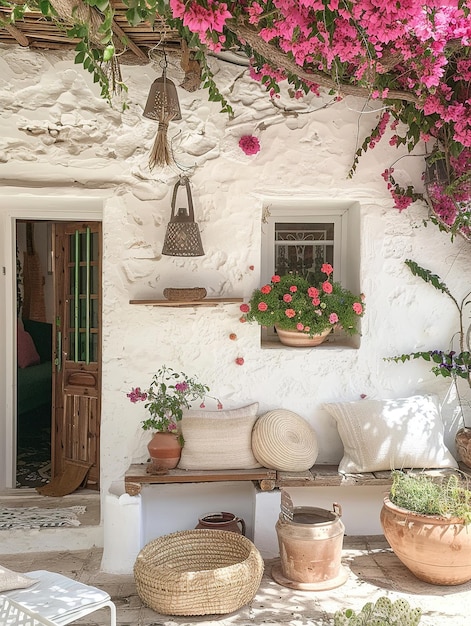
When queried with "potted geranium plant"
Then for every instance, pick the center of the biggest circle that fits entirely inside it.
(425, 521)
(169, 393)
(304, 314)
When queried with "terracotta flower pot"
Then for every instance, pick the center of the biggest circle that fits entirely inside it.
(164, 451)
(463, 445)
(436, 549)
(298, 339)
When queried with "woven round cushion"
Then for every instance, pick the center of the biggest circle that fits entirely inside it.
(284, 441)
(198, 572)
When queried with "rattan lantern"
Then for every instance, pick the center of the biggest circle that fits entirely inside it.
(163, 106)
(183, 236)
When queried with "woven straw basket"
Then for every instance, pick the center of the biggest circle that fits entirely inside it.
(198, 572)
(187, 295)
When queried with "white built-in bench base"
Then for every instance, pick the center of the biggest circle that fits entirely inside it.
(150, 506)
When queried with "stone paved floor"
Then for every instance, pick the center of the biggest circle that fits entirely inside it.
(374, 571)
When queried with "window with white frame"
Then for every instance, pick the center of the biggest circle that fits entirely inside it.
(300, 235)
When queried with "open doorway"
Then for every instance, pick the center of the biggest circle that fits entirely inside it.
(58, 353)
(35, 311)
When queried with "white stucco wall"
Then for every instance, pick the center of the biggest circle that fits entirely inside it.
(57, 137)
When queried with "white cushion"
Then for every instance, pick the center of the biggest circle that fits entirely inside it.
(391, 434)
(216, 440)
(283, 440)
(12, 580)
(59, 598)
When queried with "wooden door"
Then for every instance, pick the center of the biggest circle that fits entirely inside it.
(77, 250)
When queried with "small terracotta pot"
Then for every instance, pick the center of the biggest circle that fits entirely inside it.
(463, 445)
(164, 451)
(222, 521)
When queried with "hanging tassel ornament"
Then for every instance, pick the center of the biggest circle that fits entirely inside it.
(163, 106)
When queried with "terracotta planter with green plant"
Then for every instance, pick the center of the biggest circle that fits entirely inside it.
(291, 303)
(425, 521)
(170, 392)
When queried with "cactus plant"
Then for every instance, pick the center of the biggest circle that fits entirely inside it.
(382, 613)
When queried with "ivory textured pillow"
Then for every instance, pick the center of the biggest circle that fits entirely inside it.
(391, 434)
(283, 440)
(218, 439)
(12, 580)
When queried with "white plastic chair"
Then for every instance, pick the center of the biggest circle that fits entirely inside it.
(55, 600)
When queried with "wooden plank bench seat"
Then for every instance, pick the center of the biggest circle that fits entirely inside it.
(139, 474)
(329, 476)
(267, 479)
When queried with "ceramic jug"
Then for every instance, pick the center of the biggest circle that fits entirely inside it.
(222, 521)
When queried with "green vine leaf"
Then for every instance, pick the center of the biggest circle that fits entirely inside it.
(428, 277)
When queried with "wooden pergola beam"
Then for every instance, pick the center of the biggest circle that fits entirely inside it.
(129, 42)
(14, 31)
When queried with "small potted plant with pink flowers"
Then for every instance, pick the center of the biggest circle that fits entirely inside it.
(170, 392)
(304, 314)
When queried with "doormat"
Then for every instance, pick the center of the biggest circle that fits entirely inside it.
(74, 475)
(36, 517)
(33, 463)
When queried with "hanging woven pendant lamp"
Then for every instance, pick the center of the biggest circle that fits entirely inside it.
(163, 106)
(183, 236)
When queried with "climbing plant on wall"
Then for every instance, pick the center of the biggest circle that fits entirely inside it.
(412, 56)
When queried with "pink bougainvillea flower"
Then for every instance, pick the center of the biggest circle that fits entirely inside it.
(358, 308)
(327, 287)
(287, 297)
(262, 306)
(275, 279)
(198, 18)
(312, 292)
(333, 318)
(219, 405)
(265, 289)
(244, 308)
(136, 395)
(181, 387)
(293, 289)
(327, 269)
(172, 427)
(251, 267)
(249, 144)
(290, 312)
(239, 361)
(202, 405)
(299, 326)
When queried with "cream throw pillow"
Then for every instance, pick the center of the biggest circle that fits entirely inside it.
(391, 434)
(218, 440)
(12, 580)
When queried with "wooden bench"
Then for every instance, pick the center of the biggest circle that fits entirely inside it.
(141, 474)
(267, 479)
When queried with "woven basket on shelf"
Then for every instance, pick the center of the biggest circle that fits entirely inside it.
(198, 572)
(187, 295)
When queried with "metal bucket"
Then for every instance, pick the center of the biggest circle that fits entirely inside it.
(310, 549)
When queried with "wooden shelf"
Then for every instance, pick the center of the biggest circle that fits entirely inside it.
(186, 303)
